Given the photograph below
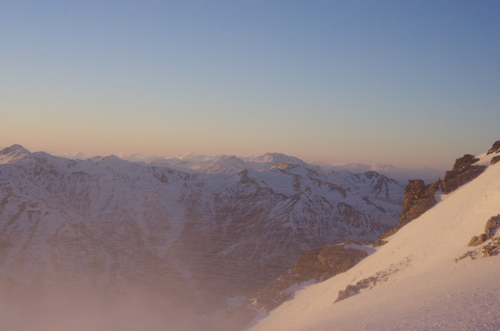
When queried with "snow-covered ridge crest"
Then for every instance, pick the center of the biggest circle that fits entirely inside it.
(228, 164)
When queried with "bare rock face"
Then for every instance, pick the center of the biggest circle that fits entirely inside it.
(418, 199)
(463, 171)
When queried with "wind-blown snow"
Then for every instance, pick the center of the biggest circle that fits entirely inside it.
(419, 285)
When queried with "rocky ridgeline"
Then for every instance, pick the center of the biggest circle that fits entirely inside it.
(463, 172)
(419, 197)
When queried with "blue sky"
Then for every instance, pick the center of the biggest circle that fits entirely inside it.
(409, 83)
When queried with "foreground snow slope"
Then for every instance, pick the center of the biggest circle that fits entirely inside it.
(419, 285)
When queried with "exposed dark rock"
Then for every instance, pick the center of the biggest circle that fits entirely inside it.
(490, 250)
(495, 148)
(478, 240)
(463, 171)
(469, 254)
(495, 160)
(491, 226)
(351, 290)
(418, 199)
(318, 264)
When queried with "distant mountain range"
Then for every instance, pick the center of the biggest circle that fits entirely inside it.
(181, 241)
(229, 164)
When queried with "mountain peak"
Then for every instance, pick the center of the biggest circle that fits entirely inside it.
(278, 158)
(17, 149)
(13, 153)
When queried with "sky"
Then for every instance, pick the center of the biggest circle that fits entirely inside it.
(408, 83)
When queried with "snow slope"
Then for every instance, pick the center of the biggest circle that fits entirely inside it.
(418, 286)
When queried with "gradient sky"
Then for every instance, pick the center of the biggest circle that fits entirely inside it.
(409, 83)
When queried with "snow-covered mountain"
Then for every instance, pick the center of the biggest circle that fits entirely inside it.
(438, 272)
(182, 241)
(227, 164)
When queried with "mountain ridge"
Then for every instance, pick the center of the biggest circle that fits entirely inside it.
(202, 162)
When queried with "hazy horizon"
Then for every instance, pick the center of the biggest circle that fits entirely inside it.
(138, 156)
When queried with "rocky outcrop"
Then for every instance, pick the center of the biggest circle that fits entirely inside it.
(463, 171)
(418, 199)
(351, 290)
(491, 249)
(477, 240)
(491, 226)
(318, 265)
(489, 231)
(495, 148)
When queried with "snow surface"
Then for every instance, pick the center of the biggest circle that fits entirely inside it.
(419, 285)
